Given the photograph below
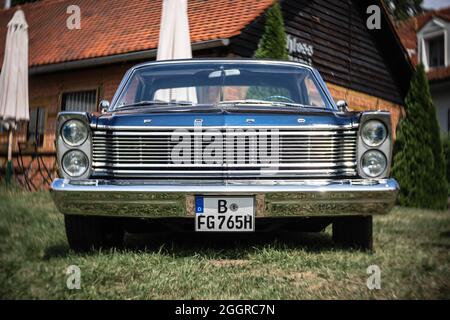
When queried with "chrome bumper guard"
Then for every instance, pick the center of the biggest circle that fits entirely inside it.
(176, 198)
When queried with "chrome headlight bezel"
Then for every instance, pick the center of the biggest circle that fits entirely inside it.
(364, 132)
(83, 156)
(385, 146)
(81, 127)
(62, 147)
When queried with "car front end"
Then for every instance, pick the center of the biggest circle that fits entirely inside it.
(224, 165)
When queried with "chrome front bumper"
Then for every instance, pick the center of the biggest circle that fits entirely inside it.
(175, 198)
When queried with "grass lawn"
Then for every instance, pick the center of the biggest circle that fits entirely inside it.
(411, 248)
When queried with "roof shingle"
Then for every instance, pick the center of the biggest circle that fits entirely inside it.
(110, 27)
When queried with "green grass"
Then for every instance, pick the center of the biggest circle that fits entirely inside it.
(411, 248)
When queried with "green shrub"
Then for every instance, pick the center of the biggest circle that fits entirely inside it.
(419, 164)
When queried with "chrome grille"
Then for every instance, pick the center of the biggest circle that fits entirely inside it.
(301, 152)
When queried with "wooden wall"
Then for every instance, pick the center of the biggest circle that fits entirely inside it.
(344, 51)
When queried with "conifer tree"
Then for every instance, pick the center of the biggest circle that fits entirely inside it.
(271, 46)
(418, 163)
(273, 41)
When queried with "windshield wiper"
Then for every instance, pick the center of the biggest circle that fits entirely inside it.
(262, 103)
(154, 103)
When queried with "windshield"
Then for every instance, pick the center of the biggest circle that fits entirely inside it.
(219, 83)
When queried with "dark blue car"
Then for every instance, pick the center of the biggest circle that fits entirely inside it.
(222, 146)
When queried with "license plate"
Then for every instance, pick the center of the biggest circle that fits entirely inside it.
(219, 214)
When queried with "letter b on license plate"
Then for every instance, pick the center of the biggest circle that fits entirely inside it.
(219, 214)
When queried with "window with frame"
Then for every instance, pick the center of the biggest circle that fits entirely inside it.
(36, 126)
(79, 101)
(436, 52)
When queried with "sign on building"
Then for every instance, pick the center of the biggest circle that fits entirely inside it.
(298, 50)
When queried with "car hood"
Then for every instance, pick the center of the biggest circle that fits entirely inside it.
(224, 118)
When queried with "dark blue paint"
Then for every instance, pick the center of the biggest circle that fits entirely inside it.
(226, 119)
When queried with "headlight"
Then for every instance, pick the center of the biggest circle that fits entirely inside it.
(74, 133)
(373, 163)
(75, 163)
(373, 133)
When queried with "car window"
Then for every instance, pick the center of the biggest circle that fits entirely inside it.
(209, 83)
(315, 98)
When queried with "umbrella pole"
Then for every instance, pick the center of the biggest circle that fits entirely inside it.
(9, 167)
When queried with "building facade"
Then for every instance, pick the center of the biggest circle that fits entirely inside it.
(426, 38)
(73, 69)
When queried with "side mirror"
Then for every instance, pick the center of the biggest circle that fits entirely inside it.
(103, 106)
(342, 105)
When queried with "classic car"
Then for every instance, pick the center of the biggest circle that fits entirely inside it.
(221, 145)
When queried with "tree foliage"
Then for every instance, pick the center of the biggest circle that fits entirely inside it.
(418, 163)
(404, 9)
(273, 41)
(446, 146)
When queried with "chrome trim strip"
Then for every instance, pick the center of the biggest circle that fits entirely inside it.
(259, 166)
(219, 186)
(164, 140)
(299, 127)
(152, 198)
(220, 173)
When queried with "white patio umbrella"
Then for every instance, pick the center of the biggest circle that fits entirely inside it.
(175, 43)
(14, 79)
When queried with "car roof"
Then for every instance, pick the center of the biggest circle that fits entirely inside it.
(224, 60)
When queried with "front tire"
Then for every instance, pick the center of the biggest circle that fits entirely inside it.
(355, 232)
(85, 233)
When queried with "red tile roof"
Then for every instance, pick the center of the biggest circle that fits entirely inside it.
(110, 27)
(407, 32)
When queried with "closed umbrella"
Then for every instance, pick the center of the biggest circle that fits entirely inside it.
(14, 79)
(175, 43)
